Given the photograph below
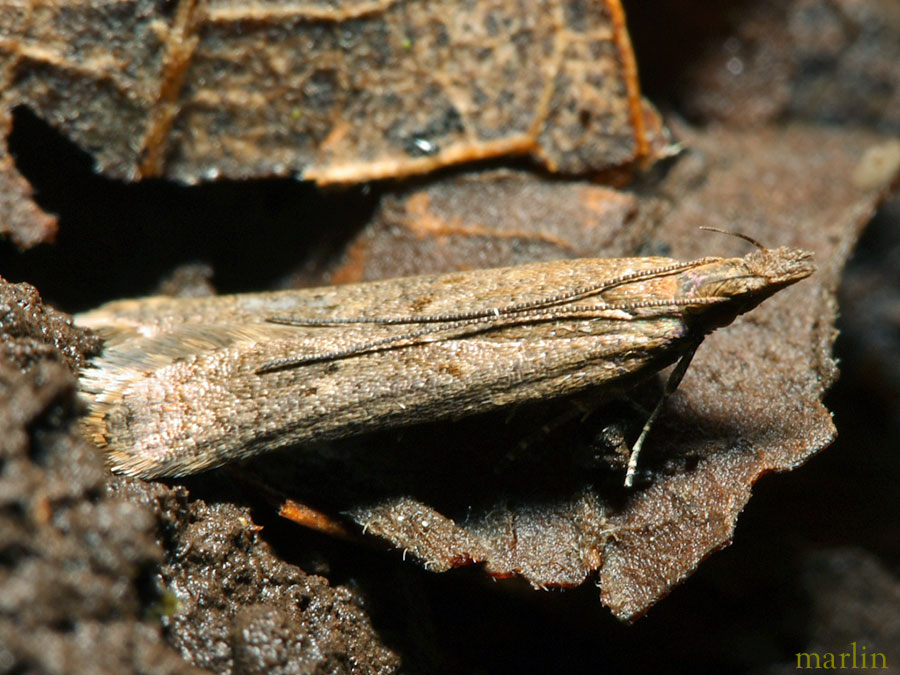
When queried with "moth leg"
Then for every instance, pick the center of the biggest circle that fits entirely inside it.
(671, 385)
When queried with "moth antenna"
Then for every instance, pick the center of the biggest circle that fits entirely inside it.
(736, 234)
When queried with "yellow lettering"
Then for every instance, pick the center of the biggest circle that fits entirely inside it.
(808, 657)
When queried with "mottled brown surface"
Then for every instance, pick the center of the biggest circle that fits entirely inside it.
(751, 402)
(786, 584)
(336, 92)
(761, 62)
(241, 608)
(78, 562)
(96, 569)
(484, 219)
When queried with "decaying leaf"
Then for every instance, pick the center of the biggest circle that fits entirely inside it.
(491, 219)
(333, 92)
(750, 404)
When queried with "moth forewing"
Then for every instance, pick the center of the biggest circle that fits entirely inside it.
(185, 385)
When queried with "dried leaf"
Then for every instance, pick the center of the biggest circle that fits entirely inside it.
(750, 404)
(490, 219)
(336, 93)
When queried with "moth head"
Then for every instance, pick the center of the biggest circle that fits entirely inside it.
(779, 267)
(742, 283)
(762, 273)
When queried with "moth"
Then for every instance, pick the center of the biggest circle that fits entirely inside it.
(188, 384)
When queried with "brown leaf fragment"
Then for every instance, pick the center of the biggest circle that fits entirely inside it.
(490, 219)
(441, 544)
(416, 529)
(520, 493)
(562, 541)
(751, 402)
(333, 92)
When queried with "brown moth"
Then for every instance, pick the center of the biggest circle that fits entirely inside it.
(185, 385)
